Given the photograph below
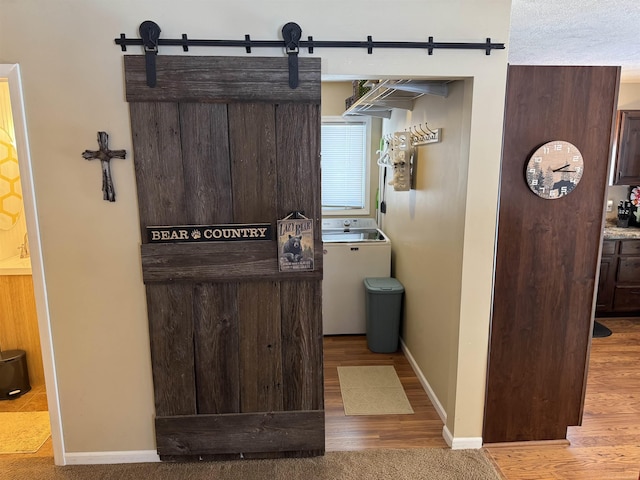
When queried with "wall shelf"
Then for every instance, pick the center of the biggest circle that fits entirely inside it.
(385, 95)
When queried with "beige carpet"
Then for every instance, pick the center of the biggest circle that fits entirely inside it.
(413, 464)
(23, 432)
(372, 391)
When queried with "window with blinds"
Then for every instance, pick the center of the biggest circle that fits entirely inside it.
(344, 163)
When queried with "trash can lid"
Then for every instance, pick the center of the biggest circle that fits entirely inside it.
(11, 354)
(384, 285)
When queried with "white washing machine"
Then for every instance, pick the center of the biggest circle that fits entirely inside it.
(354, 249)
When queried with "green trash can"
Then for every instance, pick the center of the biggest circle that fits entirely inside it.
(383, 308)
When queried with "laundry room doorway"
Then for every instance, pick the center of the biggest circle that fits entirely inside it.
(345, 343)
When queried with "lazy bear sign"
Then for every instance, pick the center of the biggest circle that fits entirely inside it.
(295, 244)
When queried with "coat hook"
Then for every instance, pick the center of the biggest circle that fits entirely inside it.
(426, 124)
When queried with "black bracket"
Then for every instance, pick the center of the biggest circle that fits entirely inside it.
(292, 34)
(150, 33)
(296, 215)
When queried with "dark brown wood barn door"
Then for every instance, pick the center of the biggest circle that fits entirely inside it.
(236, 345)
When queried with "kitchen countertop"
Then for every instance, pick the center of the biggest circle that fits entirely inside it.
(611, 232)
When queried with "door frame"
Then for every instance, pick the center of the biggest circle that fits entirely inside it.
(12, 73)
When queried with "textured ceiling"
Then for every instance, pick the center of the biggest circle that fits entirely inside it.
(577, 32)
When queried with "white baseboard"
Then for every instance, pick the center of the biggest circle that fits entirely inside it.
(146, 456)
(105, 458)
(454, 443)
(461, 443)
(446, 434)
(425, 384)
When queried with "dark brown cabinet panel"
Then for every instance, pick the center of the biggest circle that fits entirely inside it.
(627, 171)
(609, 247)
(630, 247)
(627, 299)
(606, 282)
(629, 270)
(619, 283)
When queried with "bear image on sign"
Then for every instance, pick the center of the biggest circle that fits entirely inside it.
(292, 250)
(295, 245)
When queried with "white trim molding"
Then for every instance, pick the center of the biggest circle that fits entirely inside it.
(12, 73)
(109, 458)
(454, 443)
(461, 443)
(425, 384)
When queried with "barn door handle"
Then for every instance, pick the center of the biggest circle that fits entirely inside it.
(292, 33)
(150, 33)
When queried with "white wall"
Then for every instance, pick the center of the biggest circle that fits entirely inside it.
(426, 226)
(73, 86)
(629, 96)
(333, 97)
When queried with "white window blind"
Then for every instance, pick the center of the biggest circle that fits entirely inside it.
(344, 152)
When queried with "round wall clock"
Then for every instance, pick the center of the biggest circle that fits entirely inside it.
(554, 170)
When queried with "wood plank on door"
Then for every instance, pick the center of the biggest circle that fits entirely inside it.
(209, 148)
(169, 309)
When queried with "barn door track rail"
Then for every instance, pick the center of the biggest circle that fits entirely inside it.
(292, 43)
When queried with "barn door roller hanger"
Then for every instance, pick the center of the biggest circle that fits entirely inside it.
(291, 33)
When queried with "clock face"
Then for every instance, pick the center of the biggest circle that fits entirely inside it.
(554, 169)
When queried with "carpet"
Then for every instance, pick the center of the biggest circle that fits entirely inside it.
(372, 391)
(408, 464)
(23, 432)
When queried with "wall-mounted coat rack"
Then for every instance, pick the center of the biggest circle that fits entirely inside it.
(291, 33)
(417, 135)
(424, 136)
(398, 151)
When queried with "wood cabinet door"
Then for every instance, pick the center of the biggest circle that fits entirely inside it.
(607, 276)
(236, 345)
(628, 158)
(606, 284)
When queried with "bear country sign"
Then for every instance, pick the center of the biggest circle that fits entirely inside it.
(210, 233)
(295, 244)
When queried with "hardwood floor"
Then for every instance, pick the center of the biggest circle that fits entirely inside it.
(605, 447)
(422, 429)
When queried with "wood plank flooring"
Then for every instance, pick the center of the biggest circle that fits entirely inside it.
(605, 447)
(422, 429)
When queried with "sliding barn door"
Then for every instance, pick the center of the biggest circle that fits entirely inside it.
(236, 345)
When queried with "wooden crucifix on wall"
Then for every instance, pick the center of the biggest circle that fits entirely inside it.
(105, 155)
